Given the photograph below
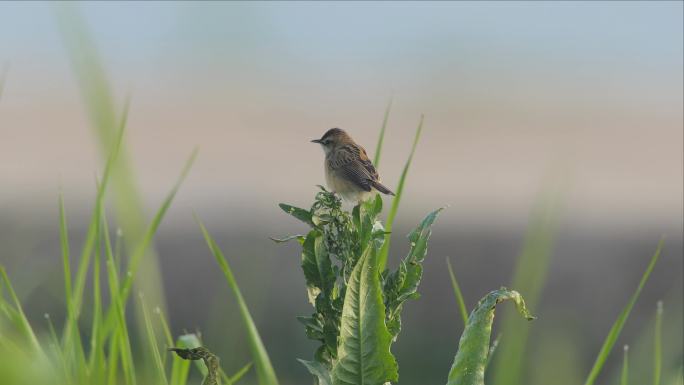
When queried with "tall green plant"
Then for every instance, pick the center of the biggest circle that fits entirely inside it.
(357, 307)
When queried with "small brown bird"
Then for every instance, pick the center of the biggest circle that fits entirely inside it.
(348, 171)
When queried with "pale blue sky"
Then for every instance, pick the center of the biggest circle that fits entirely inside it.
(510, 92)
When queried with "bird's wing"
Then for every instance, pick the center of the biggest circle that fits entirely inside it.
(352, 162)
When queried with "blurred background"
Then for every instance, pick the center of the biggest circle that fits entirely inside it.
(577, 101)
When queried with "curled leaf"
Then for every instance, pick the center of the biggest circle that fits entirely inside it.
(201, 353)
(473, 349)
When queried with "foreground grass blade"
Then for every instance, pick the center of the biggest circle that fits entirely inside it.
(71, 337)
(457, 293)
(658, 345)
(382, 258)
(153, 346)
(66, 264)
(529, 277)
(21, 320)
(120, 341)
(473, 348)
(614, 333)
(146, 242)
(364, 356)
(98, 97)
(262, 362)
(381, 137)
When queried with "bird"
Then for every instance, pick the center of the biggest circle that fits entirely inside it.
(348, 170)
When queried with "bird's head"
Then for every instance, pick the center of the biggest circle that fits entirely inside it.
(332, 138)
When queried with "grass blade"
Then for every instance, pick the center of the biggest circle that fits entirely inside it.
(120, 336)
(658, 345)
(457, 293)
(264, 369)
(98, 98)
(96, 358)
(146, 241)
(381, 137)
(66, 265)
(382, 258)
(624, 376)
(152, 342)
(237, 376)
(21, 320)
(614, 332)
(529, 278)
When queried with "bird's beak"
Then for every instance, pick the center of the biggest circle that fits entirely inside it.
(316, 141)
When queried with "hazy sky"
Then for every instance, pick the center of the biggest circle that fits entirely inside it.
(513, 93)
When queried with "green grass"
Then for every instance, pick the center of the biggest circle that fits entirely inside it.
(624, 376)
(658, 345)
(462, 310)
(382, 258)
(264, 369)
(616, 329)
(529, 277)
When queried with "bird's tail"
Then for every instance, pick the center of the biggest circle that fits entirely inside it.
(378, 186)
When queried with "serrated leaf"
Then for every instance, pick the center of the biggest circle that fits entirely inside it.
(318, 370)
(473, 348)
(317, 267)
(299, 213)
(299, 237)
(402, 284)
(364, 356)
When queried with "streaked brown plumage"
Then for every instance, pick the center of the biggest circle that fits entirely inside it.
(348, 170)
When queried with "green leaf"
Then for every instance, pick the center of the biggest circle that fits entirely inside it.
(364, 356)
(264, 369)
(473, 349)
(300, 238)
(319, 370)
(317, 267)
(402, 284)
(382, 259)
(299, 213)
(615, 330)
